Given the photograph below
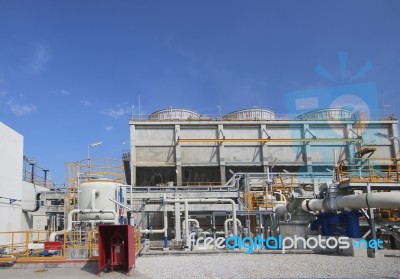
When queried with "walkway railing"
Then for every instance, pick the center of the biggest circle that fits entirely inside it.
(372, 170)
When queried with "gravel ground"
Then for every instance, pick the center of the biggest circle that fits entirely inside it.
(267, 266)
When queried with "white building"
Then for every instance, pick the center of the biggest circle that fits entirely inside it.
(17, 197)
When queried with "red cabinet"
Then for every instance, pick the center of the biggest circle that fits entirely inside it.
(116, 247)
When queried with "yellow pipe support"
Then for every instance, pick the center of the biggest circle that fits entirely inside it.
(270, 140)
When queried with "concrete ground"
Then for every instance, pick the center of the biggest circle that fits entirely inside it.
(65, 272)
(227, 265)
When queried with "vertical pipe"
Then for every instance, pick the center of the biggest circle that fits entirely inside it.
(177, 222)
(165, 223)
(187, 237)
(121, 200)
(93, 199)
(234, 219)
(32, 173)
(372, 220)
(45, 177)
(166, 227)
(130, 187)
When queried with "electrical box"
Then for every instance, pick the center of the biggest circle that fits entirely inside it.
(39, 222)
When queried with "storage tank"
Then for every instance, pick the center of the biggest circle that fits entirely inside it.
(101, 192)
(250, 114)
(174, 114)
(326, 114)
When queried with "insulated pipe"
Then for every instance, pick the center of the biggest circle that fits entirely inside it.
(187, 235)
(232, 185)
(93, 200)
(185, 225)
(186, 205)
(178, 236)
(165, 229)
(226, 224)
(186, 209)
(86, 211)
(371, 200)
(281, 209)
(191, 220)
(53, 235)
(186, 201)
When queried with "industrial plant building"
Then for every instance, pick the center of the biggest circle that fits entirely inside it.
(182, 147)
(190, 180)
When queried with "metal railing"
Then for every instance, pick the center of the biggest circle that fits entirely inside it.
(35, 174)
(25, 245)
(372, 170)
(95, 169)
(29, 245)
(277, 117)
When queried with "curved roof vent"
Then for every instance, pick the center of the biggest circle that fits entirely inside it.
(326, 114)
(174, 114)
(250, 114)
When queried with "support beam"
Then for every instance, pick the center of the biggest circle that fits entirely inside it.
(178, 156)
(264, 147)
(221, 153)
(133, 154)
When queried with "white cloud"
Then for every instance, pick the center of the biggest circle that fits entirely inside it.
(39, 59)
(20, 110)
(108, 128)
(117, 112)
(65, 92)
(84, 102)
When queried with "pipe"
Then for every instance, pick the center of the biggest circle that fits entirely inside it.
(37, 207)
(121, 204)
(186, 205)
(191, 220)
(232, 185)
(87, 211)
(165, 228)
(186, 210)
(226, 225)
(283, 198)
(187, 235)
(53, 235)
(93, 200)
(357, 201)
(121, 200)
(185, 224)
(232, 202)
(178, 236)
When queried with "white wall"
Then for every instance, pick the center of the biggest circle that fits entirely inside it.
(11, 158)
(28, 203)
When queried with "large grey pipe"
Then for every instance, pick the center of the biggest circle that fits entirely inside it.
(372, 200)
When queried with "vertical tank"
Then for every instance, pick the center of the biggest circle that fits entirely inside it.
(101, 191)
(99, 180)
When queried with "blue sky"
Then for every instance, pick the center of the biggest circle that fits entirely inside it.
(71, 70)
